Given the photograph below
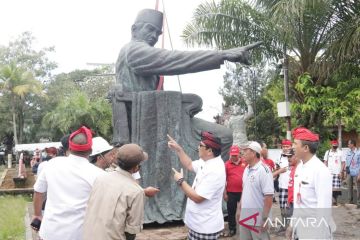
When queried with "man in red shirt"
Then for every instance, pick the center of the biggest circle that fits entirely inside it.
(234, 168)
(293, 162)
(264, 156)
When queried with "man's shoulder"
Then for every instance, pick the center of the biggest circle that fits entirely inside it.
(263, 168)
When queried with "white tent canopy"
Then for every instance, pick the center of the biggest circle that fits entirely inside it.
(34, 146)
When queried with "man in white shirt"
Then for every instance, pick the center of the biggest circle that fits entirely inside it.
(334, 160)
(68, 182)
(256, 199)
(203, 213)
(312, 189)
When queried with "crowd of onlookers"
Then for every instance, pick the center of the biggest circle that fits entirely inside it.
(90, 189)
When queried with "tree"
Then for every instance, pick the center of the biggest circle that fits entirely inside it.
(19, 56)
(309, 31)
(17, 83)
(77, 110)
(21, 52)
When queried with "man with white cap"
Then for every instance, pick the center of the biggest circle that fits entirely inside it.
(102, 154)
(256, 200)
(116, 205)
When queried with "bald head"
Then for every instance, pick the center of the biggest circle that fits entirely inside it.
(79, 139)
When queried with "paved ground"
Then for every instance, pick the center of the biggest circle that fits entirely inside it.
(346, 216)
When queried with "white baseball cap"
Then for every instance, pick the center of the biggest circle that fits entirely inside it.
(253, 146)
(100, 145)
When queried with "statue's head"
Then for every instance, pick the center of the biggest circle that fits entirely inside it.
(148, 26)
(235, 109)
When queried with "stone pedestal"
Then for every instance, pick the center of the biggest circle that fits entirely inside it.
(154, 114)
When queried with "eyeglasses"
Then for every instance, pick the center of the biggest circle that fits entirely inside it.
(202, 145)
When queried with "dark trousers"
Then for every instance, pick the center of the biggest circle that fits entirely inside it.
(233, 199)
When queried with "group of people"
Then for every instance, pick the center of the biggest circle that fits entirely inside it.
(82, 200)
(93, 192)
(245, 181)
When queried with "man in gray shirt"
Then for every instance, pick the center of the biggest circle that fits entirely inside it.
(256, 198)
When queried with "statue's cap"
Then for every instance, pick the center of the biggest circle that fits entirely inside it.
(151, 16)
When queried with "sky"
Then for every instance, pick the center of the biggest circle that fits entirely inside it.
(93, 31)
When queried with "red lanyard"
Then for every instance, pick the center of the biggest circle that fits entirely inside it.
(298, 195)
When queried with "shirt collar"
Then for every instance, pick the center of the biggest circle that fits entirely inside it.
(256, 166)
(72, 156)
(310, 162)
(123, 172)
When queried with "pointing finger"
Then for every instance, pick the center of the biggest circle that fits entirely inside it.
(253, 45)
(170, 138)
(174, 170)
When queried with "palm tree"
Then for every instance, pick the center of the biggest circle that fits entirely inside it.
(17, 83)
(317, 35)
(76, 110)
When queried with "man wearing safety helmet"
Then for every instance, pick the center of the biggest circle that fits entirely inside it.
(104, 156)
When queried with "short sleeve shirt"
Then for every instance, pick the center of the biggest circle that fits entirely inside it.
(234, 174)
(68, 182)
(209, 183)
(334, 160)
(257, 182)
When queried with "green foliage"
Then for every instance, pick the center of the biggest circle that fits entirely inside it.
(77, 110)
(334, 104)
(16, 83)
(12, 212)
(320, 38)
(21, 52)
(265, 127)
(21, 69)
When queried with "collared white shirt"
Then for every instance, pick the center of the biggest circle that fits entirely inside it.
(334, 160)
(209, 183)
(313, 200)
(313, 182)
(257, 182)
(68, 182)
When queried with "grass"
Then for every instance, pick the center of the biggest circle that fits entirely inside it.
(12, 212)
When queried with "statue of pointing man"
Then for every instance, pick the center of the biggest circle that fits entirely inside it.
(139, 64)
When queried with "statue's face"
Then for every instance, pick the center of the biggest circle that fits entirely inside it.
(235, 109)
(148, 33)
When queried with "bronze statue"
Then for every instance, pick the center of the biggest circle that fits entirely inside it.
(139, 64)
(144, 116)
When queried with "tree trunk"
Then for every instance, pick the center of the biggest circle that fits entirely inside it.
(21, 126)
(14, 120)
(339, 133)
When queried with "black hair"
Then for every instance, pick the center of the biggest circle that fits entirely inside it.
(313, 146)
(352, 141)
(65, 142)
(215, 151)
(257, 154)
(127, 165)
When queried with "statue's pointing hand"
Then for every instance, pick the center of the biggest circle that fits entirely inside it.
(240, 54)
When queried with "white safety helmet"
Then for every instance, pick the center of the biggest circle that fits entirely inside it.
(100, 145)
